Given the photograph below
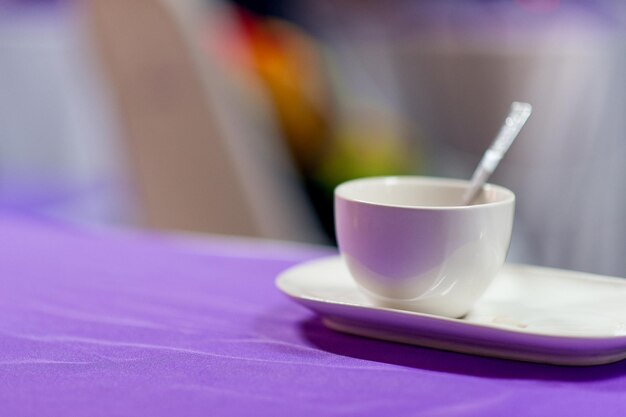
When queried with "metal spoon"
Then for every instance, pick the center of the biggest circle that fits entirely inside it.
(520, 112)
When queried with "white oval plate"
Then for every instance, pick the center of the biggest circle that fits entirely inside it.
(528, 313)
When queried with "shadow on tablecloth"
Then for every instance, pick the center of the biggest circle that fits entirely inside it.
(318, 335)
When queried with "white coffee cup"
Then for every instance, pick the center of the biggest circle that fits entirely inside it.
(409, 242)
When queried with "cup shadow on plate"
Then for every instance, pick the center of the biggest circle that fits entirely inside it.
(314, 331)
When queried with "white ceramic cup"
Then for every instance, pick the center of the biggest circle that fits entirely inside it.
(409, 242)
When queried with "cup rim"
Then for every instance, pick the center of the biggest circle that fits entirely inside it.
(340, 190)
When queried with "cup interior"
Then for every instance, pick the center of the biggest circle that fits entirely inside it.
(422, 192)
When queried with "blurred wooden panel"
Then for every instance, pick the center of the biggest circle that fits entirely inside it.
(183, 171)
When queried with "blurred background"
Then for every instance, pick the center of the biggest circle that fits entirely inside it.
(240, 117)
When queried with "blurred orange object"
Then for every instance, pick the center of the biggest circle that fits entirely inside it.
(291, 67)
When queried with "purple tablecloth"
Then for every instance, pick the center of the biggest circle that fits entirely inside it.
(97, 323)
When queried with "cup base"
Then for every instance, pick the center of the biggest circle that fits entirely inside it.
(432, 305)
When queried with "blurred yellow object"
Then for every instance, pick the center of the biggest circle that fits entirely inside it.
(365, 147)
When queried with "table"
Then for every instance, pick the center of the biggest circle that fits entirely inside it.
(116, 323)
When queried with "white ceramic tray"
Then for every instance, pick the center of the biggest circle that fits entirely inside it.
(528, 313)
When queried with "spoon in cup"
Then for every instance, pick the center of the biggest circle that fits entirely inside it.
(519, 113)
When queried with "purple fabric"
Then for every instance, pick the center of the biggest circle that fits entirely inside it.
(96, 323)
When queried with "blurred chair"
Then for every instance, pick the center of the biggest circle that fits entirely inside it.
(205, 153)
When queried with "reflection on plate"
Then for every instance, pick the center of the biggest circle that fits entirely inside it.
(528, 313)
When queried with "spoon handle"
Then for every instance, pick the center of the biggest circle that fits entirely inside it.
(520, 112)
